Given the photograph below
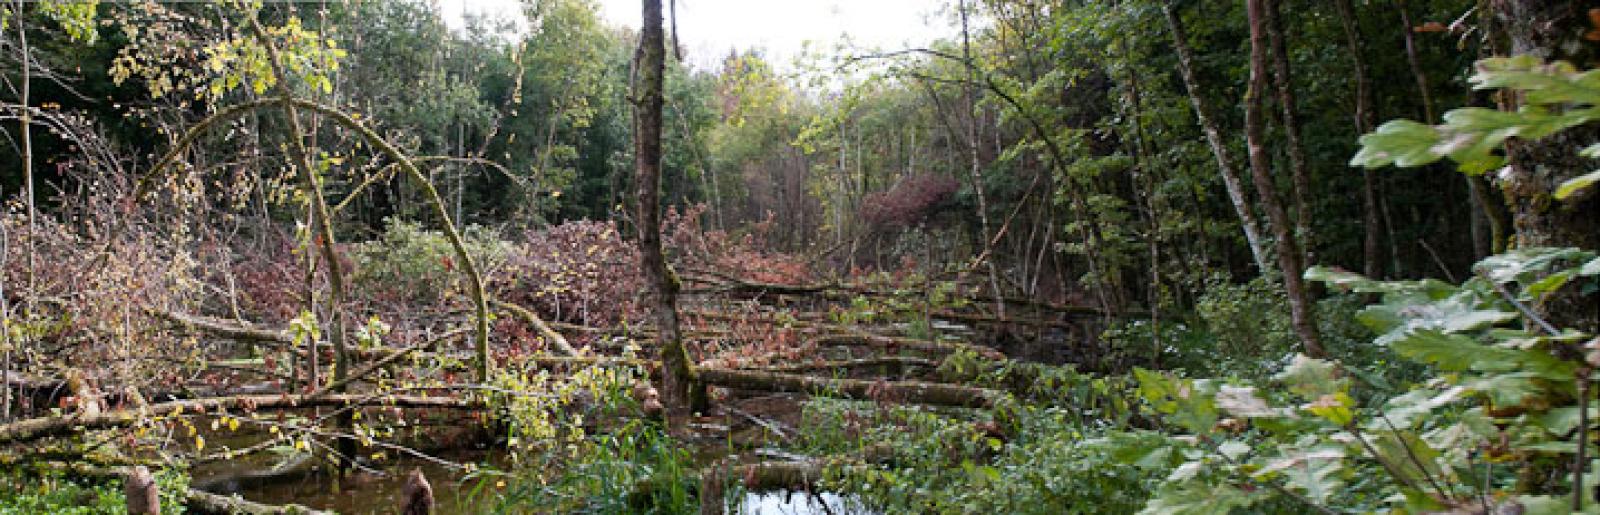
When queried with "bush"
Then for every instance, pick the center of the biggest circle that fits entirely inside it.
(409, 264)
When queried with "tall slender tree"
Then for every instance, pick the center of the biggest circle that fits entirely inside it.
(677, 374)
(1299, 173)
(1371, 259)
(1300, 308)
(1219, 148)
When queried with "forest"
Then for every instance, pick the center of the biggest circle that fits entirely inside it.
(1071, 256)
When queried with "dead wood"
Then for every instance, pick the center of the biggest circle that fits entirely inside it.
(893, 362)
(912, 392)
(550, 335)
(895, 343)
(225, 329)
(199, 501)
(44, 427)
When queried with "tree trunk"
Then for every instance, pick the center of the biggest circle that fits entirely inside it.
(677, 374)
(1551, 30)
(59, 425)
(1300, 176)
(911, 392)
(976, 168)
(1219, 148)
(1300, 308)
(1365, 122)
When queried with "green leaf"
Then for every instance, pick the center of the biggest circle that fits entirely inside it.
(1576, 184)
(1311, 378)
(1403, 143)
(1450, 352)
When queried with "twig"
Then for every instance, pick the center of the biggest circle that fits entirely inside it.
(1523, 308)
(1436, 260)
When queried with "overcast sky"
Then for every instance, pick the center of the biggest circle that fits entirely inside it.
(710, 28)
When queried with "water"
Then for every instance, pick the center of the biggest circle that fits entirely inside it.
(801, 503)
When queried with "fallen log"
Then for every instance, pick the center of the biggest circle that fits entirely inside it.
(896, 362)
(385, 361)
(44, 427)
(894, 343)
(230, 330)
(914, 392)
(199, 501)
(550, 335)
(757, 477)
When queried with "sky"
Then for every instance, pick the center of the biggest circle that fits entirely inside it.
(710, 28)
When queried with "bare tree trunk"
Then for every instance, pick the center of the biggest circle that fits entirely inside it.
(976, 167)
(322, 223)
(676, 371)
(1300, 176)
(1300, 308)
(1365, 121)
(1203, 112)
(27, 145)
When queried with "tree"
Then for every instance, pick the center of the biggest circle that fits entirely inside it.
(677, 373)
(1219, 148)
(1553, 30)
(1289, 256)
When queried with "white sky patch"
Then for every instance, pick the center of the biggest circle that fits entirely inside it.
(711, 28)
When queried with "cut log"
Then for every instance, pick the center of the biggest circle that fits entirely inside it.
(757, 477)
(550, 335)
(895, 362)
(203, 502)
(894, 343)
(230, 330)
(44, 427)
(913, 392)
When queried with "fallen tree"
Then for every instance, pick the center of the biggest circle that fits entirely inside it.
(44, 427)
(550, 335)
(915, 392)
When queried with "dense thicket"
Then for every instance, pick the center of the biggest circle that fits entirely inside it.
(1147, 190)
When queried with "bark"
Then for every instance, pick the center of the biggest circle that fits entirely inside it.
(1300, 176)
(1300, 308)
(650, 61)
(229, 330)
(1365, 122)
(550, 335)
(1219, 148)
(27, 144)
(893, 362)
(45, 427)
(976, 167)
(910, 392)
(893, 344)
(1551, 30)
(206, 503)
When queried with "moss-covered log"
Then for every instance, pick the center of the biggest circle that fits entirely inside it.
(44, 427)
(914, 392)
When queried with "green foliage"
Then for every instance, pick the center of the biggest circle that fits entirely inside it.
(1501, 396)
(941, 464)
(634, 468)
(410, 263)
(59, 495)
(1556, 96)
